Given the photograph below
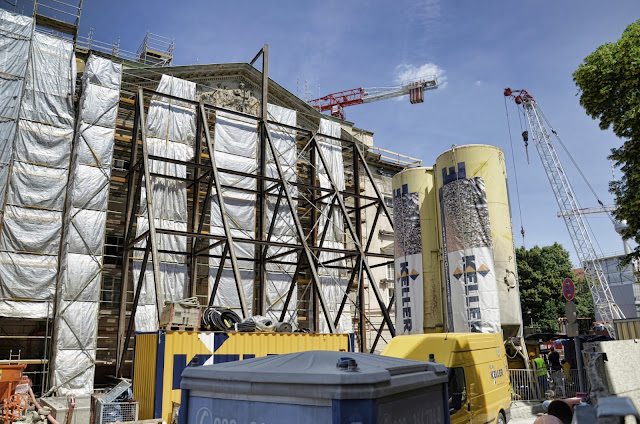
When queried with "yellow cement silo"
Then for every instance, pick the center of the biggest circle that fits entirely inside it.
(422, 181)
(488, 162)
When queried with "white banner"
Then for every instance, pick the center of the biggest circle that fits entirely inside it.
(474, 292)
(470, 280)
(408, 262)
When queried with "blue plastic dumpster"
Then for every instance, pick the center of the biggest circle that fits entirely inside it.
(315, 387)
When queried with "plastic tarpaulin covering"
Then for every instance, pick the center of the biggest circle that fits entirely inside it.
(36, 134)
(76, 328)
(171, 132)
(470, 280)
(332, 283)
(236, 148)
(279, 276)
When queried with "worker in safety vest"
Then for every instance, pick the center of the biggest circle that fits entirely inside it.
(541, 372)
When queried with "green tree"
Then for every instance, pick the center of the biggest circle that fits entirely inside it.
(609, 86)
(583, 300)
(541, 271)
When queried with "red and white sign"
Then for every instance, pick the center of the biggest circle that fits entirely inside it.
(568, 289)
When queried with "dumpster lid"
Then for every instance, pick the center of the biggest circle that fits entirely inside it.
(313, 368)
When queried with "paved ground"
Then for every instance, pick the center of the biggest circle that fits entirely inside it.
(528, 420)
(524, 412)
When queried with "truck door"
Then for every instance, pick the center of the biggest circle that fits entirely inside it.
(458, 396)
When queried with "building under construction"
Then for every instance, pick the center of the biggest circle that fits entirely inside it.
(127, 183)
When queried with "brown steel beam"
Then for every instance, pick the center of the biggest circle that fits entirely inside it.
(361, 297)
(136, 299)
(132, 197)
(308, 253)
(354, 237)
(223, 214)
(155, 259)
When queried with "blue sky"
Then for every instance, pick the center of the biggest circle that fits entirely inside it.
(479, 47)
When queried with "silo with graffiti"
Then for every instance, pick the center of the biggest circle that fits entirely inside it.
(479, 269)
(418, 284)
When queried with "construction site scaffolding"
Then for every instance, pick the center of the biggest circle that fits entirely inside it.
(325, 245)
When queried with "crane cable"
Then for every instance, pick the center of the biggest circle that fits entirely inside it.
(576, 165)
(584, 178)
(515, 171)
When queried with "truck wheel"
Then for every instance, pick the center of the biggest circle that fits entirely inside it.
(501, 419)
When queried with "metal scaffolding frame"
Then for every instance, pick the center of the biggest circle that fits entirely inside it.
(202, 172)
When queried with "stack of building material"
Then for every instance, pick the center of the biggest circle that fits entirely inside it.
(38, 77)
(171, 130)
(76, 332)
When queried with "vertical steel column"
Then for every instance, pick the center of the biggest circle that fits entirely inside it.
(262, 273)
(224, 217)
(136, 299)
(148, 185)
(313, 175)
(195, 211)
(352, 232)
(261, 217)
(128, 225)
(358, 211)
(300, 233)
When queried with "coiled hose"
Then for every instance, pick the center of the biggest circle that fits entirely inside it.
(217, 318)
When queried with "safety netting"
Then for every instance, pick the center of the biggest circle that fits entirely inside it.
(170, 133)
(36, 133)
(76, 328)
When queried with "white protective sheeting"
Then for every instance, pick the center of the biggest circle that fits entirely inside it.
(236, 148)
(332, 283)
(37, 120)
(279, 276)
(171, 131)
(76, 328)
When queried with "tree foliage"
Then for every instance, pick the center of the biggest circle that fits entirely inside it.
(541, 271)
(609, 85)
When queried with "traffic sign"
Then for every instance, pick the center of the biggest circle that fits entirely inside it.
(568, 289)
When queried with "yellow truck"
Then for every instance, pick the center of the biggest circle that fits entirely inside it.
(479, 389)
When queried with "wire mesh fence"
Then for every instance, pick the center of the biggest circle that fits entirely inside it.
(528, 385)
(111, 412)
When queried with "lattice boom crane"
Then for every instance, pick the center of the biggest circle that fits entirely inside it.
(570, 210)
(336, 102)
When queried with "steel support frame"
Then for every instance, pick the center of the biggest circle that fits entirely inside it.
(203, 171)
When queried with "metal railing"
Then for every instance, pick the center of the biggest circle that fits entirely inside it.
(89, 43)
(396, 158)
(526, 385)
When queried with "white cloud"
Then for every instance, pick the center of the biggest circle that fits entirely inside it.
(479, 83)
(406, 73)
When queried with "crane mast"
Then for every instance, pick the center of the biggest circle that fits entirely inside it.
(603, 300)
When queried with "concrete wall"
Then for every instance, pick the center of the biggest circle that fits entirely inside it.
(621, 372)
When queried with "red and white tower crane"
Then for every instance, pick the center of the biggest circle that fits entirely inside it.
(336, 102)
(569, 206)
